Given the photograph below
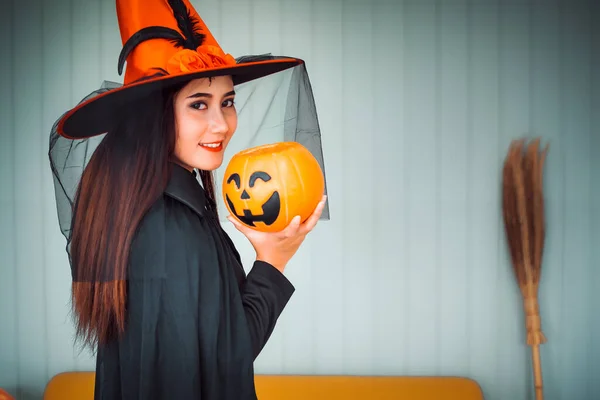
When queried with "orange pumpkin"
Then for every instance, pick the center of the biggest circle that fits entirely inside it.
(4, 395)
(266, 186)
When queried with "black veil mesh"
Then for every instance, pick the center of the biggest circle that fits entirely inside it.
(278, 107)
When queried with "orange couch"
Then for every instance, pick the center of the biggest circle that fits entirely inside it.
(80, 386)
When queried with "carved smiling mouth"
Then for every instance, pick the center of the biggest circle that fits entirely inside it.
(270, 211)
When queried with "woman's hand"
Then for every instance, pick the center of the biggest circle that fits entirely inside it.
(277, 248)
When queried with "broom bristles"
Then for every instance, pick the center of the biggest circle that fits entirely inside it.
(533, 164)
(523, 209)
(523, 214)
(512, 221)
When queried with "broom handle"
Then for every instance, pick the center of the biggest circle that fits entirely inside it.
(537, 372)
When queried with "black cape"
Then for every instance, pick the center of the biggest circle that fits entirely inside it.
(195, 323)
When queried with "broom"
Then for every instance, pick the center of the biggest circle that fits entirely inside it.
(523, 212)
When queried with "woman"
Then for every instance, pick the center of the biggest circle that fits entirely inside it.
(158, 286)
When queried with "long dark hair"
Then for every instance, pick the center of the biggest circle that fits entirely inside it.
(127, 173)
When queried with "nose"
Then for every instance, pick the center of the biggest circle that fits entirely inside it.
(217, 122)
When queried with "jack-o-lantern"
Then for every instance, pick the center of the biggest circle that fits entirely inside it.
(265, 187)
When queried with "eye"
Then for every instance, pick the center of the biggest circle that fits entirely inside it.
(199, 105)
(263, 176)
(228, 103)
(235, 177)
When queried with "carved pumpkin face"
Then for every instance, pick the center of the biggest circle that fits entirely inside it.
(265, 187)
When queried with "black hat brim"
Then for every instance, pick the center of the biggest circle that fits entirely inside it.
(96, 115)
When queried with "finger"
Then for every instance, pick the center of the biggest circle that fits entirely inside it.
(233, 221)
(312, 221)
(238, 225)
(292, 227)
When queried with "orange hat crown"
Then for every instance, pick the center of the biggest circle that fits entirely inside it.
(164, 42)
(165, 37)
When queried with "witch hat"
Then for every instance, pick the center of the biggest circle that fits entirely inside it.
(165, 42)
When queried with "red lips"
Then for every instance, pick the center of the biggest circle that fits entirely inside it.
(211, 146)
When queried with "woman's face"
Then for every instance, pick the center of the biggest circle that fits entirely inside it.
(205, 120)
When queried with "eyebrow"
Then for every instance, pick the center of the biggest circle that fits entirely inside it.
(209, 95)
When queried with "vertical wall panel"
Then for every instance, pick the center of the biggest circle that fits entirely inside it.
(418, 101)
(266, 27)
(595, 184)
(576, 132)
(236, 25)
(327, 240)
(421, 171)
(85, 48)
(9, 311)
(453, 153)
(485, 249)
(389, 265)
(358, 175)
(31, 340)
(110, 44)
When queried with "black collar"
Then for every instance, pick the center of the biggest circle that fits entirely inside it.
(184, 187)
